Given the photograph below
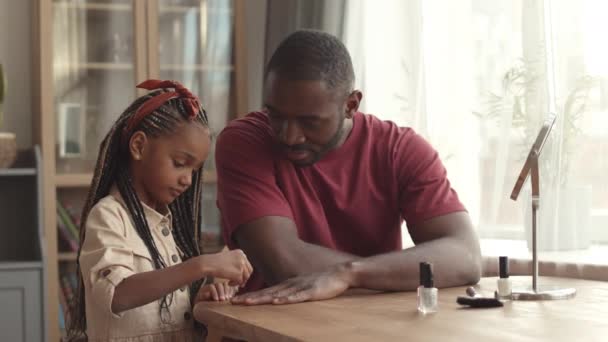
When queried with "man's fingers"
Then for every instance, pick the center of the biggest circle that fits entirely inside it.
(267, 296)
(260, 298)
(257, 296)
(288, 291)
(296, 297)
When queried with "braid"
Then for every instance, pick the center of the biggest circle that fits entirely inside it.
(112, 168)
(141, 226)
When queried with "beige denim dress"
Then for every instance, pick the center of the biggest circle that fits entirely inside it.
(112, 251)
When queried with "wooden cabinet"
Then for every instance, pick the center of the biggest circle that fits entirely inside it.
(22, 257)
(90, 55)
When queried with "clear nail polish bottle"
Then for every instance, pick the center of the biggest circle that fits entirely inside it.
(427, 293)
(504, 283)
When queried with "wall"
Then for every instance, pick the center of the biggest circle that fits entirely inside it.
(16, 20)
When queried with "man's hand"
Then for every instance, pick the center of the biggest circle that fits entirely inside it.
(217, 291)
(310, 287)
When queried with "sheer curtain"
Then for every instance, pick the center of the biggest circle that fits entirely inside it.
(474, 78)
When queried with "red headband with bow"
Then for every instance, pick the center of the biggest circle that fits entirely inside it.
(191, 102)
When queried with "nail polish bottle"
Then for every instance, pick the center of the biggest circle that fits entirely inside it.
(504, 283)
(427, 293)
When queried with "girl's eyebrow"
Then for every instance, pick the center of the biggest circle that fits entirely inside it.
(188, 154)
(191, 157)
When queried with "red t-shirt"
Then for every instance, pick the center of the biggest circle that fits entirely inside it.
(353, 200)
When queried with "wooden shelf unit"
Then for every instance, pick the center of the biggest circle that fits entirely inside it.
(23, 278)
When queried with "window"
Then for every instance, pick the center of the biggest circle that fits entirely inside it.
(477, 79)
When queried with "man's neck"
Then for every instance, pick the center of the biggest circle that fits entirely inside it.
(346, 129)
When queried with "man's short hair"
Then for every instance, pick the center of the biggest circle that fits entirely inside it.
(310, 55)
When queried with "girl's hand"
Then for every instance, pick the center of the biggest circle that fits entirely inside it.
(216, 292)
(231, 265)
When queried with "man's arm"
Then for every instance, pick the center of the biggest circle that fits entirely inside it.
(274, 248)
(448, 241)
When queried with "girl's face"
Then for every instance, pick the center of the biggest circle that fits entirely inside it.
(162, 167)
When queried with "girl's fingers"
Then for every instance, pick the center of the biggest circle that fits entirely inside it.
(202, 295)
(220, 291)
(214, 293)
(249, 270)
(230, 291)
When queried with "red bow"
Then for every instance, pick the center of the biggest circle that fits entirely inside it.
(192, 102)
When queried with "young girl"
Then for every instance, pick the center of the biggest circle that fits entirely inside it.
(139, 261)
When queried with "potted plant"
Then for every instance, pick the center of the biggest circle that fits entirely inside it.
(8, 143)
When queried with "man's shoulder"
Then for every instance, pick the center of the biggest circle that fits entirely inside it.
(384, 130)
(254, 127)
(249, 137)
(251, 119)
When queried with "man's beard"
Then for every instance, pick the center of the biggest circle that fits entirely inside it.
(317, 155)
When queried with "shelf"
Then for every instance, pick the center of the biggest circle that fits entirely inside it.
(185, 9)
(24, 165)
(93, 6)
(20, 265)
(67, 256)
(111, 66)
(73, 180)
(81, 180)
(195, 67)
(18, 172)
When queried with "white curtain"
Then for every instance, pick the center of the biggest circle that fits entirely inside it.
(475, 78)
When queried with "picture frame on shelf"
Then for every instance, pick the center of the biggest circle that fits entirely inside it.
(71, 130)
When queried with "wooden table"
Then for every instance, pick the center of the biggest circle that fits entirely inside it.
(367, 316)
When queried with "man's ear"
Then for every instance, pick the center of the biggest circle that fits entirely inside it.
(137, 145)
(352, 103)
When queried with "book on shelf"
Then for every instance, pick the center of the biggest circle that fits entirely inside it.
(67, 242)
(63, 306)
(69, 292)
(67, 297)
(65, 217)
(73, 212)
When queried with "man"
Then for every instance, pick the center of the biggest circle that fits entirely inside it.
(315, 192)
